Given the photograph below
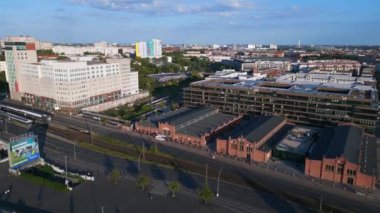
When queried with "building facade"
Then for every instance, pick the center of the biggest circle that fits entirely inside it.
(77, 84)
(150, 49)
(247, 139)
(344, 154)
(17, 53)
(298, 99)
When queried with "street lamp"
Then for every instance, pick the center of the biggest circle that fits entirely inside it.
(217, 188)
(67, 176)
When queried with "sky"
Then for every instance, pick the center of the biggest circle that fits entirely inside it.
(341, 22)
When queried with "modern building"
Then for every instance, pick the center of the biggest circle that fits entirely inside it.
(150, 49)
(3, 66)
(335, 65)
(249, 139)
(344, 154)
(301, 99)
(100, 47)
(296, 144)
(257, 64)
(77, 84)
(188, 125)
(28, 39)
(17, 53)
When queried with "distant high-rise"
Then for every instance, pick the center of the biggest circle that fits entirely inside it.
(17, 53)
(150, 49)
(299, 44)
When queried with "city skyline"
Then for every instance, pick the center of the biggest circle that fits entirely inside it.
(217, 21)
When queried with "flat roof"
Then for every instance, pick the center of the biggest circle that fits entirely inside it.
(298, 140)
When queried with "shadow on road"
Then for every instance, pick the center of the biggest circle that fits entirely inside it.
(157, 173)
(132, 168)
(184, 178)
(108, 164)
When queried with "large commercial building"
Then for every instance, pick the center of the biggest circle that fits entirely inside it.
(300, 98)
(249, 140)
(150, 49)
(39, 45)
(188, 125)
(17, 53)
(344, 154)
(258, 64)
(77, 84)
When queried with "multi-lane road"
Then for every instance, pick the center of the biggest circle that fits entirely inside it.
(55, 149)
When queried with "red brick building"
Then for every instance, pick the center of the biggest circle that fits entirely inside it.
(188, 125)
(344, 154)
(249, 139)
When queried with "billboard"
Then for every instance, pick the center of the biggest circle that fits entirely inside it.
(23, 150)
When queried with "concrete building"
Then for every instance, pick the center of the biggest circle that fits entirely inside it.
(188, 125)
(335, 65)
(307, 99)
(17, 53)
(150, 49)
(344, 154)
(77, 84)
(296, 144)
(28, 39)
(249, 139)
(3, 66)
(257, 64)
(80, 50)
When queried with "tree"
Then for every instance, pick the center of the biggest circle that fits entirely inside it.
(115, 176)
(206, 195)
(143, 181)
(174, 187)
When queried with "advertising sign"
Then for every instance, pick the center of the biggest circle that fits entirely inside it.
(23, 150)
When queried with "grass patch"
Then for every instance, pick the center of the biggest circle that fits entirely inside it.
(61, 187)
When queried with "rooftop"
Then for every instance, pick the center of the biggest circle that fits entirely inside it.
(254, 129)
(298, 140)
(191, 121)
(323, 84)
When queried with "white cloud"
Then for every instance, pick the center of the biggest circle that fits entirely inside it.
(161, 7)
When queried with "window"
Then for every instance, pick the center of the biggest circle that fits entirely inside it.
(351, 172)
(350, 181)
(329, 168)
(340, 168)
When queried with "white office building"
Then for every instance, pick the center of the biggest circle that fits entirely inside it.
(77, 84)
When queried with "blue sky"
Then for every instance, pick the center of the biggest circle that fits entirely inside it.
(195, 21)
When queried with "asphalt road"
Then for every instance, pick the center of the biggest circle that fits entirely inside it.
(303, 188)
(231, 195)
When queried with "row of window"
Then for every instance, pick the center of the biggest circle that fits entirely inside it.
(331, 168)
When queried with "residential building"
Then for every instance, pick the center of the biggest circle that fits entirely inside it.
(17, 53)
(249, 139)
(3, 66)
(301, 99)
(28, 39)
(188, 125)
(257, 64)
(344, 154)
(77, 84)
(150, 49)
(81, 50)
(335, 65)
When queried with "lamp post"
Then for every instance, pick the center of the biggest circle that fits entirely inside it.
(75, 153)
(67, 176)
(217, 188)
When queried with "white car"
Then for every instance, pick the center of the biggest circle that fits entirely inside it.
(160, 137)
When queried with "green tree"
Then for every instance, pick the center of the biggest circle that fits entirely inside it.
(174, 187)
(143, 181)
(115, 176)
(206, 195)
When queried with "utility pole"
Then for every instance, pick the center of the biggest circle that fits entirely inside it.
(67, 176)
(143, 150)
(206, 176)
(217, 188)
(75, 154)
(138, 163)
